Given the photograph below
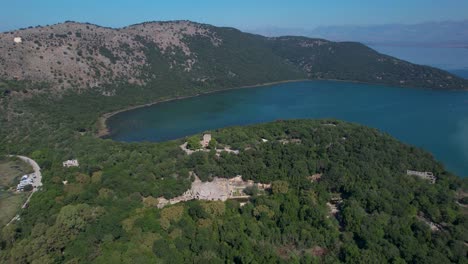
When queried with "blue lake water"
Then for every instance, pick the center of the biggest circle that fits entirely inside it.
(434, 120)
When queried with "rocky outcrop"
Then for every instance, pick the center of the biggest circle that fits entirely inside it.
(86, 56)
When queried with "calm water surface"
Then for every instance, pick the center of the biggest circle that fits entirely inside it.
(434, 120)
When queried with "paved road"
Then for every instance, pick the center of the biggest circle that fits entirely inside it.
(37, 182)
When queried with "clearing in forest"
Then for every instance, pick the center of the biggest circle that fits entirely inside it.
(11, 170)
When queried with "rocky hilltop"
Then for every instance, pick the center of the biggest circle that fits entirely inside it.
(85, 55)
(81, 56)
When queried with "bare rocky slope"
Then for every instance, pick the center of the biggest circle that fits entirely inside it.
(85, 55)
(82, 56)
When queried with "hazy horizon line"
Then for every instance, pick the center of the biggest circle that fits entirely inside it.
(243, 28)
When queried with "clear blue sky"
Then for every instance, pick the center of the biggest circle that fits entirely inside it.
(244, 14)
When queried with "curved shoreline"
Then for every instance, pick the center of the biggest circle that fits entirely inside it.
(103, 129)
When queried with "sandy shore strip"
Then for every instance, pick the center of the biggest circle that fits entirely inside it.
(103, 129)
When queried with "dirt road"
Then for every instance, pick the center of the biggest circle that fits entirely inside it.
(37, 180)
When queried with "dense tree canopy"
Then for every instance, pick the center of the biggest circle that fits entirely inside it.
(364, 208)
(106, 213)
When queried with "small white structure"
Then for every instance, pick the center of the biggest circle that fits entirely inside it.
(17, 40)
(71, 163)
(426, 175)
(206, 140)
(264, 140)
(25, 180)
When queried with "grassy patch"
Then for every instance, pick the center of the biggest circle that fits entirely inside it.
(10, 203)
(11, 170)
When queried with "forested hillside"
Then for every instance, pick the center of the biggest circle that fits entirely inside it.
(355, 61)
(359, 206)
(106, 212)
(75, 57)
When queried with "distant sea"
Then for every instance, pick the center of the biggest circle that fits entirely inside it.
(454, 60)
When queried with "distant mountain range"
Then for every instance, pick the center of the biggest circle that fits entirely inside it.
(78, 56)
(448, 33)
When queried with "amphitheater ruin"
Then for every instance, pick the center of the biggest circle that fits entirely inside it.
(220, 189)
